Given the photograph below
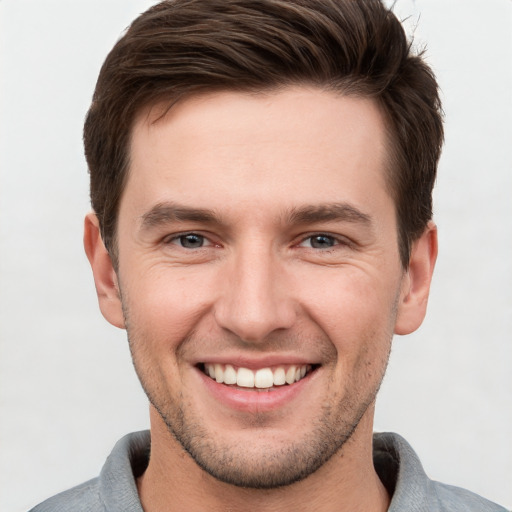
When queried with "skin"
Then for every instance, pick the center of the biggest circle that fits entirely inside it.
(293, 260)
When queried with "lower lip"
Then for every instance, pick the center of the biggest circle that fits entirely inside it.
(254, 400)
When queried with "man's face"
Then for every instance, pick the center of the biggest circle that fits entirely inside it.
(258, 245)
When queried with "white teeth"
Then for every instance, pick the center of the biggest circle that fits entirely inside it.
(219, 374)
(245, 378)
(229, 375)
(263, 378)
(290, 375)
(279, 376)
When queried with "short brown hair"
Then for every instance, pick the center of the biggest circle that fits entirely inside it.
(178, 48)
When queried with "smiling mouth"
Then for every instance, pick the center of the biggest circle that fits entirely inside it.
(261, 379)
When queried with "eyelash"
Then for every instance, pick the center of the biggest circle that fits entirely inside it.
(335, 240)
(175, 239)
(338, 242)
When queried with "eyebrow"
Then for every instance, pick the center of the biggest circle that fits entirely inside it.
(164, 213)
(341, 212)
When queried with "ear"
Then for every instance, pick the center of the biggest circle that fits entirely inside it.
(105, 277)
(416, 282)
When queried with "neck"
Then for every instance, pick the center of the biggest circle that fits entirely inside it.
(347, 482)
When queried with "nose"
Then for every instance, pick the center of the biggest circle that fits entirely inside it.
(256, 298)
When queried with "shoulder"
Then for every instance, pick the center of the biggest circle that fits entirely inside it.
(115, 490)
(82, 498)
(400, 470)
(455, 499)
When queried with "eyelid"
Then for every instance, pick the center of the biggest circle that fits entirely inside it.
(338, 239)
(170, 239)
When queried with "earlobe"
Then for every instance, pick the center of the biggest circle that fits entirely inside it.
(413, 300)
(105, 278)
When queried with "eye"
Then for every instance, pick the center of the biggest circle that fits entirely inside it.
(190, 241)
(320, 241)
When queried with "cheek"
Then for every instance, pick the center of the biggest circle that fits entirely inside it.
(358, 316)
(355, 309)
(164, 306)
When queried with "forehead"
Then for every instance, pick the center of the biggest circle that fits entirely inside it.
(292, 145)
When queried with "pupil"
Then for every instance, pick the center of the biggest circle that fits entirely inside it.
(191, 241)
(321, 242)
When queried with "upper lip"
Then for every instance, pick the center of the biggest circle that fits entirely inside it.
(254, 363)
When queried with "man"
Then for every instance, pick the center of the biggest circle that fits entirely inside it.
(261, 179)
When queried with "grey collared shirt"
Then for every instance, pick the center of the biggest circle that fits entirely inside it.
(396, 463)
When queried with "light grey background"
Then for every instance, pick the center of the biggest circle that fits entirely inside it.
(67, 388)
